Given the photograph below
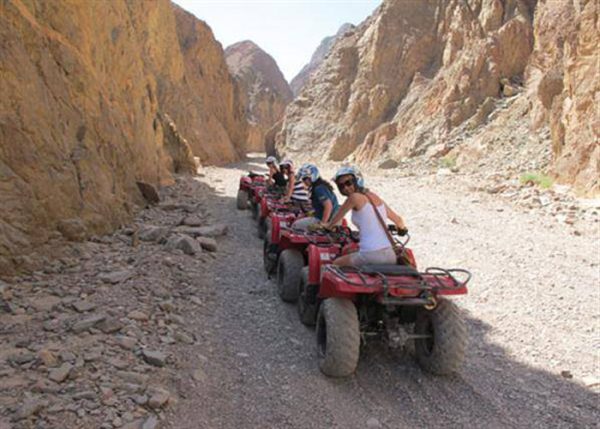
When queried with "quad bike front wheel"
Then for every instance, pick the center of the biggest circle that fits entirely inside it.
(289, 270)
(338, 337)
(442, 351)
(307, 310)
(242, 200)
(269, 257)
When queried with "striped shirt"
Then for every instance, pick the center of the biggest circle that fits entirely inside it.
(300, 193)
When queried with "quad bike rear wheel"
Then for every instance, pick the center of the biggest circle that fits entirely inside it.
(269, 257)
(242, 200)
(338, 337)
(289, 270)
(443, 351)
(307, 310)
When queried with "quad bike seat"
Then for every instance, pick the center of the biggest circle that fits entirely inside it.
(252, 174)
(388, 269)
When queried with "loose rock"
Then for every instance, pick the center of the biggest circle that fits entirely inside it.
(61, 373)
(184, 243)
(155, 358)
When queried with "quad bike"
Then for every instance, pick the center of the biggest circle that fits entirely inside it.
(357, 303)
(271, 193)
(271, 203)
(287, 249)
(275, 223)
(246, 189)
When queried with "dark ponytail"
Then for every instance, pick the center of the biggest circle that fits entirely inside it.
(323, 182)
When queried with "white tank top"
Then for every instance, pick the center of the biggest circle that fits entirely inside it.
(372, 235)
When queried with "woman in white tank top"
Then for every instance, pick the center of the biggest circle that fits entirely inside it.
(375, 247)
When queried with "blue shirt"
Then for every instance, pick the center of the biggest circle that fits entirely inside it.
(320, 194)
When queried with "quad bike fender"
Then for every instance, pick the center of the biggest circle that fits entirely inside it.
(278, 222)
(245, 183)
(317, 257)
(333, 287)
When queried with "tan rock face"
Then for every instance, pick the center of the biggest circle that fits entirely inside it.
(87, 88)
(264, 91)
(207, 108)
(302, 78)
(486, 82)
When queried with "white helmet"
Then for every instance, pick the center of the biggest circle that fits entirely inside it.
(352, 171)
(286, 163)
(271, 160)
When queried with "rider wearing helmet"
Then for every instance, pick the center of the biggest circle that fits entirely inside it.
(296, 191)
(324, 201)
(375, 246)
(275, 177)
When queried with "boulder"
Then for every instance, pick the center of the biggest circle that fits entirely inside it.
(149, 192)
(186, 244)
(388, 164)
(152, 233)
(208, 243)
(72, 229)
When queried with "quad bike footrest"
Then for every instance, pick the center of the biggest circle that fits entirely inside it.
(406, 301)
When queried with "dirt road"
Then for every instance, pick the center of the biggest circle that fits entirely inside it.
(532, 313)
(142, 329)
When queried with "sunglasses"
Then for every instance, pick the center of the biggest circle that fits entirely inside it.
(306, 179)
(347, 183)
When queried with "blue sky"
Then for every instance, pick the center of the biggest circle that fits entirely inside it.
(289, 30)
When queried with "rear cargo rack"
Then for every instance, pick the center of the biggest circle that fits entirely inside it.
(421, 277)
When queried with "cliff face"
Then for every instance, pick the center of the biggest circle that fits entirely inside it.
(206, 103)
(87, 91)
(302, 78)
(264, 92)
(502, 84)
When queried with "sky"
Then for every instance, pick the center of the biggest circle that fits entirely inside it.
(288, 30)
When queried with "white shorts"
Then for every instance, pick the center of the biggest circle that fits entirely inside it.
(381, 256)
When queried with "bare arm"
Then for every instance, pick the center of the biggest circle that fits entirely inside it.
(395, 217)
(270, 177)
(345, 208)
(327, 210)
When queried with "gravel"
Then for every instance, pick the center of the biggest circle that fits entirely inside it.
(231, 354)
(530, 312)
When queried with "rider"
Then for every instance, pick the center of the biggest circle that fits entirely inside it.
(375, 246)
(296, 191)
(324, 201)
(275, 177)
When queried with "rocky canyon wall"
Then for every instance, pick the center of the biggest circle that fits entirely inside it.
(502, 85)
(302, 78)
(264, 92)
(91, 92)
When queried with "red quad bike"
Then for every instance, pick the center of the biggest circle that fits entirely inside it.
(288, 251)
(272, 203)
(246, 190)
(277, 222)
(356, 303)
(270, 193)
